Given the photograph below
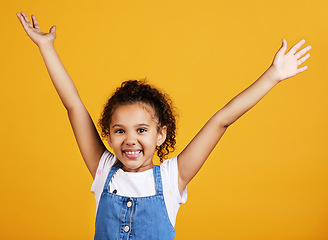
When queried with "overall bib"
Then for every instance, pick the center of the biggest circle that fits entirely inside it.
(139, 218)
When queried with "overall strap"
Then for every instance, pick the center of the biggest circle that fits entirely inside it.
(158, 180)
(111, 173)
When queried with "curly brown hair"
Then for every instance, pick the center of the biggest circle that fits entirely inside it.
(139, 91)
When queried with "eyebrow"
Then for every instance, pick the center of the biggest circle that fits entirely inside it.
(137, 125)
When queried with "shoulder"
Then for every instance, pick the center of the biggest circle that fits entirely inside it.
(169, 170)
(170, 176)
(172, 196)
(106, 162)
(170, 164)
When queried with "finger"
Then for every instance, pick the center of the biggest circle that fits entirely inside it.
(302, 69)
(35, 22)
(18, 15)
(303, 59)
(283, 48)
(284, 44)
(22, 21)
(296, 46)
(302, 52)
(20, 18)
(52, 29)
(26, 19)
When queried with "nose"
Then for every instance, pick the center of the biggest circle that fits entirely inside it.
(130, 139)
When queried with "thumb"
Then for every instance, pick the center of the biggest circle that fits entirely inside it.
(53, 29)
(283, 47)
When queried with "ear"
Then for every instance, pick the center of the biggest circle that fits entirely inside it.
(161, 136)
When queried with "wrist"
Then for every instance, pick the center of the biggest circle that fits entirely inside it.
(43, 46)
(272, 74)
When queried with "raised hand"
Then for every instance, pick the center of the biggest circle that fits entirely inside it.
(285, 65)
(34, 32)
(85, 132)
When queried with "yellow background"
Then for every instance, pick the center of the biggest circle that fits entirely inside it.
(267, 178)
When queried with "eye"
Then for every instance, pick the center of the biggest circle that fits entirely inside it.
(119, 131)
(141, 130)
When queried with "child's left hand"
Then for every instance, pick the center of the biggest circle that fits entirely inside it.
(286, 65)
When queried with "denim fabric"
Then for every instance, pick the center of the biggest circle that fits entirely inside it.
(139, 218)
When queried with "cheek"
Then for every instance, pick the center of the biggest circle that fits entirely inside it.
(110, 140)
(151, 142)
(113, 141)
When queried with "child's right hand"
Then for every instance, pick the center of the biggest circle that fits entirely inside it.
(33, 31)
(86, 135)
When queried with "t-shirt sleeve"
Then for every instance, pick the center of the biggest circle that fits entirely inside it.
(170, 169)
(172, 196)
(105, 163)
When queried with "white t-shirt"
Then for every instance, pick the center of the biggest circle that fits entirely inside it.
(141, 184)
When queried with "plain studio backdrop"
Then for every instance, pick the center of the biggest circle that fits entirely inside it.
(266, 179)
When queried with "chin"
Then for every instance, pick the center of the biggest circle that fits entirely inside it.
(131, 165)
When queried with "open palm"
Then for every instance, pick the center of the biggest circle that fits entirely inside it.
(286, 65)
(34, 32)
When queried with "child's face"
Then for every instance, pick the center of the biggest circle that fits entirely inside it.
(134, 136)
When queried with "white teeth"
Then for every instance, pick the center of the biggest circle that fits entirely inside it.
(133, 153)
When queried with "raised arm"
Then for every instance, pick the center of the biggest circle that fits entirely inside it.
(284, 65)
(86, 135)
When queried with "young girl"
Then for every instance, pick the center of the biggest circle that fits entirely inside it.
(136, 199)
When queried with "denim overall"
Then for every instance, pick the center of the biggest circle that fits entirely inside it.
(139, 218)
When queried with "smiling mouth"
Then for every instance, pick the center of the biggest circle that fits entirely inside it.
(132, 154)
